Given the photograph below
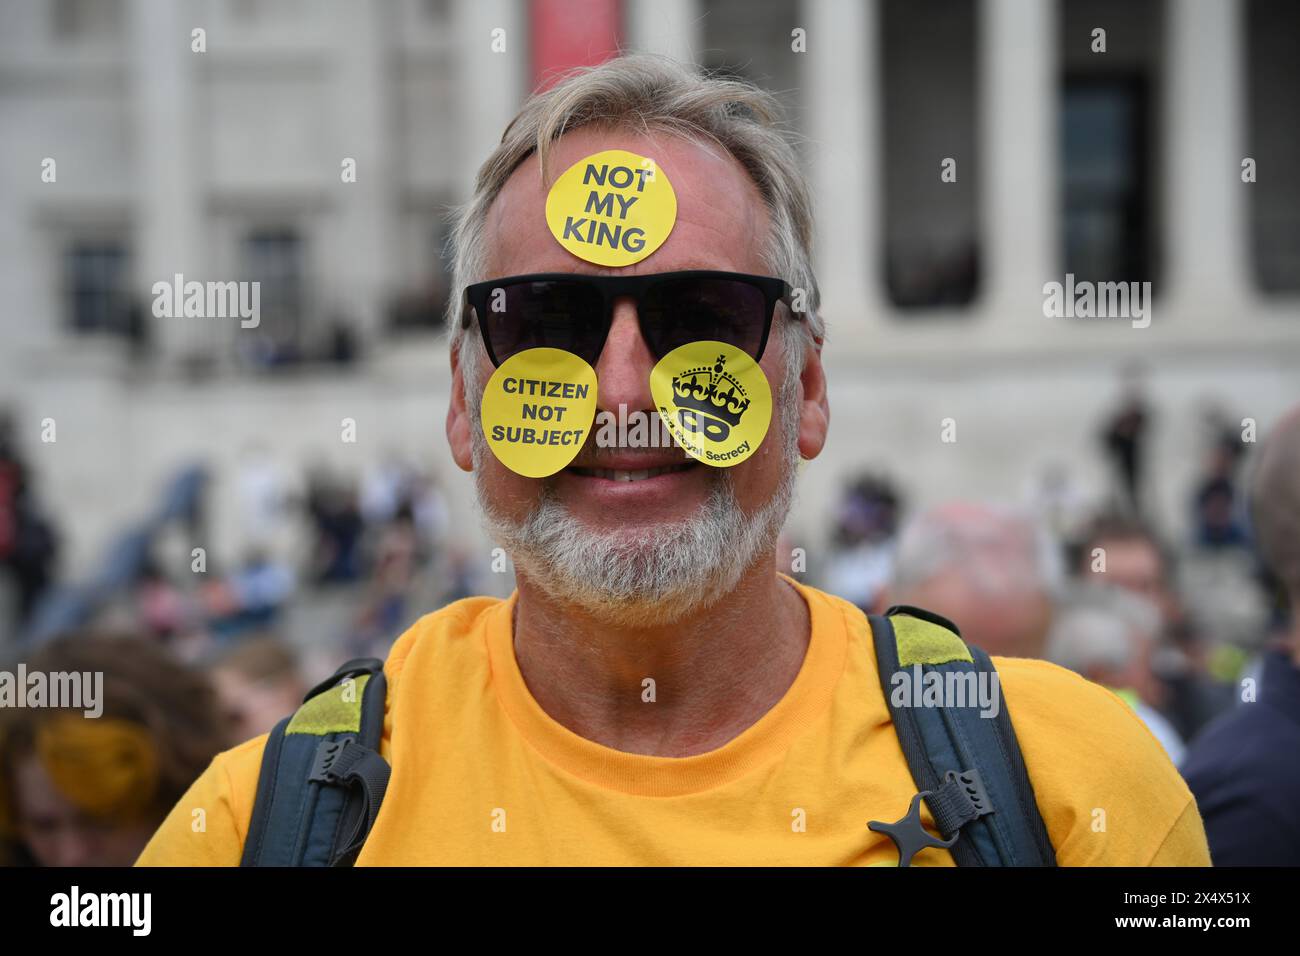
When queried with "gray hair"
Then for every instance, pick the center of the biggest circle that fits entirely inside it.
(1275, 502)
(646, 92)
(1102, 628)
(997, 548)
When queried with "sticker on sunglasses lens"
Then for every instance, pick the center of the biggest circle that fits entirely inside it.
(613, 208)
(537, 410)
(715, 401)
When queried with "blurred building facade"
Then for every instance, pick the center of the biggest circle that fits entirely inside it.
(1123, 165)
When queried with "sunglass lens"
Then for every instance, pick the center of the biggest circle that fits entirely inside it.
(549, 314)
(689, 309)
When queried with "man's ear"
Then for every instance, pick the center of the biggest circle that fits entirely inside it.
(458, 419)
(814, 410)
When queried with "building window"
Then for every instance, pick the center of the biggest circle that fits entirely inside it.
(929, 105)
(87, 19)
(97, 277)
(1273, 141)
(1108, 138)
(423, 305)
(274, 258)
(267, 10)
(1106, 224)
(437, 11)
(750, 40)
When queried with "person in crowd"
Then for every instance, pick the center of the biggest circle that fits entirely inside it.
(257, 683)
(863, 542)
(1128, 554)
(988, 567)
(78, 790)
(1243, 768)
(29, 541)
(1124, 440)
(1109, 636)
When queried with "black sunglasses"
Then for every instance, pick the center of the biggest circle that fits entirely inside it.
(573, 312)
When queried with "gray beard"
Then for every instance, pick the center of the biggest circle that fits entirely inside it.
(661, 573)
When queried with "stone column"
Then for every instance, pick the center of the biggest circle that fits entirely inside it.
(841, 79)
(1205, 229)
(169, 169)
(1019, 198)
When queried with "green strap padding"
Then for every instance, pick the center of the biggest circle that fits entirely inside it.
(334, 711)
(921, 642)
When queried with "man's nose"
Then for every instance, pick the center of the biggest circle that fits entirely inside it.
(623, 370)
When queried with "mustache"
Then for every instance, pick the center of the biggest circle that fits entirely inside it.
(655, 449)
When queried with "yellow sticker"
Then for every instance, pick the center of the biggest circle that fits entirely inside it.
(714, 400)
(537, 410)
(613, 208)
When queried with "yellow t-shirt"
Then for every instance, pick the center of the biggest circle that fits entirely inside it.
(482, 776)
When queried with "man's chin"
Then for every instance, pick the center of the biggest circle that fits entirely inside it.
(637, 608)
(627, 572)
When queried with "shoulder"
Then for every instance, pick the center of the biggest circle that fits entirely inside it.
(207, 826)
(1046, 692)
(1231, 744)
(226, 791)
(1235, 759)
(1108, 792)
(437, 630)
(1068, 720)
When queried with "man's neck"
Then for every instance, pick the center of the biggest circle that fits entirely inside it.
(715, 672)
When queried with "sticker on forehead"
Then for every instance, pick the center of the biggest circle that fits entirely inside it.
(537, 410)
(714, 400)
(613, 208)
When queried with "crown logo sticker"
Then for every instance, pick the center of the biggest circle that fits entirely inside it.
(709, 401)
(714, 399)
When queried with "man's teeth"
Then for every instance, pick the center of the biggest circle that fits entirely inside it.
(611, 474)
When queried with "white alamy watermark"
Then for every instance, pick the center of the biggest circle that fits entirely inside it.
(635, 429)
(918, 688)
(63, 690)
(208, 300)
(75, 908)
(1100, 300)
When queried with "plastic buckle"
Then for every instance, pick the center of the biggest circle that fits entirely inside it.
(327, 754)
(909, 835)
(973, 786)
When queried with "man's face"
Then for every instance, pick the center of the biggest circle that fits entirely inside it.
(722, 224)
(1135, 565)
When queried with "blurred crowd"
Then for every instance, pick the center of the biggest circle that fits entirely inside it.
(198, 656)
(1092, 583)
(196, 663)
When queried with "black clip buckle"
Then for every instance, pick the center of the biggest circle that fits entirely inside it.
(909, 835)
(974, 787)
(327, 754)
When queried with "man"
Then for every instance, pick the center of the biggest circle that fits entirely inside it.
(1129, 555)
(654, 692)
(989, 568)
(1243, 768)
(1108, 635)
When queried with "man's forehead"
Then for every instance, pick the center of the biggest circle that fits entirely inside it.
(721, 217)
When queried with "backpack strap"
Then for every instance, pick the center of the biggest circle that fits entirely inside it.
(965, 760)
(322, 777)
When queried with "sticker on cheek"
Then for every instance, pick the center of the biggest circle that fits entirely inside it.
(613, 208)
(537, 410)
(715, 401)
